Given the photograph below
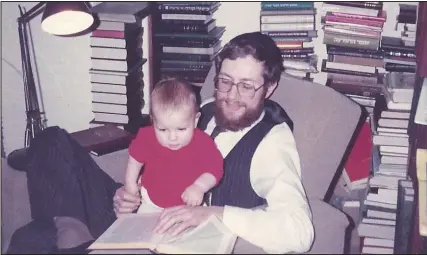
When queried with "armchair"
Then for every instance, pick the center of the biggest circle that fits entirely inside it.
(324, 123)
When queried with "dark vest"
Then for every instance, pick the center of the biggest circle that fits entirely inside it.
(235, 188)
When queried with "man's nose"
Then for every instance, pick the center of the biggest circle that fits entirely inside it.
(233, 93)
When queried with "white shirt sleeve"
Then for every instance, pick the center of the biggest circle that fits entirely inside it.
(285, 225)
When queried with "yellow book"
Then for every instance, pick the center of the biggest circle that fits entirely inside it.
(134, 231)
(421, 164)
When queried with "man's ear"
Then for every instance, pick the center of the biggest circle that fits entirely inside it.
(197, 117)
(270, 89)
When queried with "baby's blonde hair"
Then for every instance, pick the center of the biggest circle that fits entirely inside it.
(173, 94)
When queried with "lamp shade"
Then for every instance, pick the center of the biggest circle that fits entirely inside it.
(66, 18)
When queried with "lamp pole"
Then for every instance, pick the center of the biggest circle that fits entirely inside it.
(35, 123)
(54, 24)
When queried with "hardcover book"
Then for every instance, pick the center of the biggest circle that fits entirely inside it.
(106, 138)
(127, 12)
(135, 231)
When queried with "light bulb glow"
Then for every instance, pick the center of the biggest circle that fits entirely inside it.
(67, 22)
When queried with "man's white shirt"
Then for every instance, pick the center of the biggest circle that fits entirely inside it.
(285, 225)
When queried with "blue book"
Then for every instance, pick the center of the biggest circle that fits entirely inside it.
(286, 5)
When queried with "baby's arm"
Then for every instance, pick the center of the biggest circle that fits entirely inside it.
(206, 181)
(132, 173)
(193, 194)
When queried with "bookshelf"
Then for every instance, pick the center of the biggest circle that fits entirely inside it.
(120, 74)
(186, 38)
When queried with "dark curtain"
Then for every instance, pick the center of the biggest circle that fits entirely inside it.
(421, 43)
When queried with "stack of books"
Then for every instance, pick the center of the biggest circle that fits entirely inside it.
(352, 35)
(406, 22)
(187, 39)
(400, 62)
(292, 27)
(117, 59)
(385, 212)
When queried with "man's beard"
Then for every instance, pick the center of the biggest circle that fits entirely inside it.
(247, 119)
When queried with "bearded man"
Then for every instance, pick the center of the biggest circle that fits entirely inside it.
(261, 198)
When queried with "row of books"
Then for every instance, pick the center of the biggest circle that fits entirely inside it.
(390, 194)
(117, 59)
(292, 26)
(186, 40)
(378, 72)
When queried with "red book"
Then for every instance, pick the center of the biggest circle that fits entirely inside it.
(109, 34)
(358, 166)
(358, 16)
(352, 20)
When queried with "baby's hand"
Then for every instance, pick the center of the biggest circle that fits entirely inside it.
(193, 195)
(132, 188)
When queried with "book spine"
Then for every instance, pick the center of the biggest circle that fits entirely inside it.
(351, 72)
(401, 54)
(295, 56)
(287, 12)
(298, 51)
(184, 8)
(188, 76)
(184, 66)
(352, 31)
(288, 27)
(174, 16)
(182, 22)
(185, 43)
(356, 60)
(346, 78)
(108, 33)
(186, 57)
(366, 5)
(182, 28)
(355, 89)
(358, 16)
(307, 33)
(287, 19)
(354, 54)
(286, 5)
(291, 39)
(364, 22)
(392, 67)
(347, 41)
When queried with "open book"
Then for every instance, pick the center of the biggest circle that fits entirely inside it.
(134, 231)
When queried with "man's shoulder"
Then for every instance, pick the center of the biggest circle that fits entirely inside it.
(279, 132)
(207, 101)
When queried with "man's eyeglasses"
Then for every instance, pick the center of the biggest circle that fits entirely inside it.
(245, 89)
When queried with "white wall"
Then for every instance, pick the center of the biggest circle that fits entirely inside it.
(63, 65)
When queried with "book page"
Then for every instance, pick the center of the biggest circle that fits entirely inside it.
(131, 231)
(209, 237)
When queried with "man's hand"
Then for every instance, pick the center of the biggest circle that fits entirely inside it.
(125, 202)
(176, 219)
(193, 195)
(132, 188)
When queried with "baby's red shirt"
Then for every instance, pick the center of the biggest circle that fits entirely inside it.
(167, 173)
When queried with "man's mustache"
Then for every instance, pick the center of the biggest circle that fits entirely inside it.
(233, 102)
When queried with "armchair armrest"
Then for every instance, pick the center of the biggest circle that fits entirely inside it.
(330, 226)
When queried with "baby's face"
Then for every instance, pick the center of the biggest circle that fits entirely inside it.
(174, 129)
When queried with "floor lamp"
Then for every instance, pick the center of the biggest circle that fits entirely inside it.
(61, 19)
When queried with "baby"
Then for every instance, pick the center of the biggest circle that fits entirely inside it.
(181, 163)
